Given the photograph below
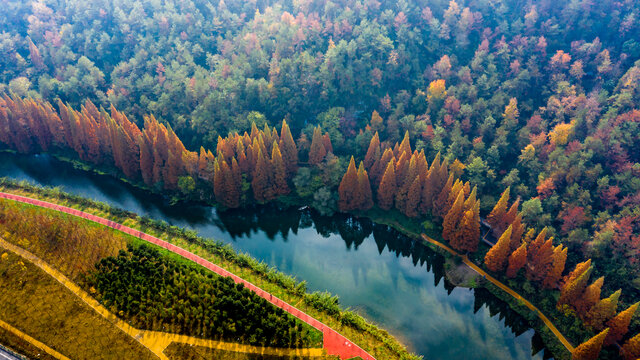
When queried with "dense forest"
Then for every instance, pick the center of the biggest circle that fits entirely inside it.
(540, 98)
(159, 293)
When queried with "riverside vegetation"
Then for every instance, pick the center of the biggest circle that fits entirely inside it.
(322, 306)
(537, 97)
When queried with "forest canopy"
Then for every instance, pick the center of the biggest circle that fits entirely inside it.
(251, 101)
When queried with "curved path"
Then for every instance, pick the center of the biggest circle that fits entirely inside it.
(507, 289)
(333, 342)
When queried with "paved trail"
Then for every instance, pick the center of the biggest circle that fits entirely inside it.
(333, 342)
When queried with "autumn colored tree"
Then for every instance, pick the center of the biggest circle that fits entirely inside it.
(262, 191)
(440, 206)
(577, 271)
(317, 151)
(590, 349)
(364, 189)
(413, 198)
(388, 187)
(379, 167)
(619, 325)
(452, 220)
(436, 92)
(288, 148)
(279, 184)
(517, 260)
(225, 188)
(631, 349)
(603, 311)
(497, 216)
(573, 290)
(553, 276)
(326, 141)
(590, 297)
(348, 190)
(405, 146)
(374, 151)
(376, 122)
(498, 254)
(467, 236)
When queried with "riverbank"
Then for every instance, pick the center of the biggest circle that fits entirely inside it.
(320, 305)
(410, 227)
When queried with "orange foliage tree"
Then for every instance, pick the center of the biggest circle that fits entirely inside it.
(590, 349)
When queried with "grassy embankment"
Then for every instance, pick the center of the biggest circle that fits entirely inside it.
(38, 305)
(322, 306)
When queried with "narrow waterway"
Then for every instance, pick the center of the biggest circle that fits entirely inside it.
(384, 276)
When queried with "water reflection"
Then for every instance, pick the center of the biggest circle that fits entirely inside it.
(389, 278)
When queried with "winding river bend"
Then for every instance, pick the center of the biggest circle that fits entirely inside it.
(381, 274)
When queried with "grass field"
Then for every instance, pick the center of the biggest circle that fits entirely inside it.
(41, 307)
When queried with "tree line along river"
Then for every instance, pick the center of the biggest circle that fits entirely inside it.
(381, 274)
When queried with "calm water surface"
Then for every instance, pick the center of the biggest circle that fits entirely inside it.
(382, 275)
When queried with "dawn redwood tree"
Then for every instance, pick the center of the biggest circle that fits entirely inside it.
(498, 254)
(553, 276)
(517, 260)
(540, 257)
(379, 167)
(619, 325)
(413, 198)
(590, 349)
(440, 207)
(364, 189)
(590, 297)
(497, 216)
(261, 179)
(279, 184)
(348, 190)
(374, 152)
(631, 348)
(326, 141)
(317, 151)
(603, 311)
(573, 290)
(577, 271)
(388, 187)
(288, 148)
(452, 221)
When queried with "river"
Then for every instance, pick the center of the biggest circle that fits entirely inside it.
(384, 276)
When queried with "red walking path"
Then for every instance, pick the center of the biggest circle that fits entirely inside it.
(333, 342)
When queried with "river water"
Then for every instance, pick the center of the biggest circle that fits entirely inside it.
(382, 275)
